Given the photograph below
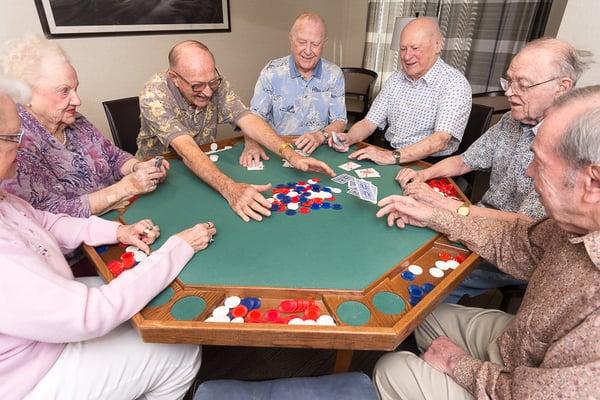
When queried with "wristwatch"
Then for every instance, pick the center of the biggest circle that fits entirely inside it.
(396, 154)
(325, 134)
(464, 209)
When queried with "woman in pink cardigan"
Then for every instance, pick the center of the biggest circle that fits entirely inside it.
(63, 339)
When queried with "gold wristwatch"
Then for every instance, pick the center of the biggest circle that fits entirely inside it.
(464, 209)
(396, 154)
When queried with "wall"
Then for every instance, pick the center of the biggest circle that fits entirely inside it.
(580, 27)
(114, 67)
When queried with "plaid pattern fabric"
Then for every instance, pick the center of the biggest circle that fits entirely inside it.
(481, 36)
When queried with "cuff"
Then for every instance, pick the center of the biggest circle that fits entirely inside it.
(465, 372)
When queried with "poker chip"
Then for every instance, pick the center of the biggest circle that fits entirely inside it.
(427, 287)
(415, 269)
(272, 315)
(237, 320)
(220, 311)
(309, 322)
(214, 157)
(290, 212)
(302, 197)
(452, 264)
(325, 320)
(336, 206)
(139, 255)
(214, 146)
(293, 206)
(254, 316)
(251, 303)
(304, 210)
(115, 267)
(444, 256)
(296, 321)
(415, 291)
(441, 265)
(101, 249)
(326, 205)
(436, 272)
(335, 190)
(275, 207)
(315, 206)
(407, 276)
(128, 260)
(460, 258)
(232, 301)
(131, 249)
(239, 311)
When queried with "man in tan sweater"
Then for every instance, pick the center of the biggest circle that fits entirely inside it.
(550, 348)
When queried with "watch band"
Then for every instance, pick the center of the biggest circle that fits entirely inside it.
(284, 146)
(397, 156)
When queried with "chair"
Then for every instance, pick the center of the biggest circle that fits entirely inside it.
(358, 82)
(124, 120)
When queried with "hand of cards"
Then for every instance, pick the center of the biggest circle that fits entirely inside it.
(360, 188)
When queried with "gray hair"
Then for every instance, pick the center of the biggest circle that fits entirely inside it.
(23, 57)
(570, 62)
(580, 144)
(16, 90)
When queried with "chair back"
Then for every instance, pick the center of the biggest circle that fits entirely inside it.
(358, 82)
(124, 120)
(478, 123)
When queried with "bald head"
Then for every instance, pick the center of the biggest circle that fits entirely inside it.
(303, 21)
(183, 51)
(426, 27)
(420, 45)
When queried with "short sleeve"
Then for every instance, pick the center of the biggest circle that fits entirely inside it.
(262, 101)
(455, 108)
(379, 109)
(229, 106)
(479, 156)
(337, 107)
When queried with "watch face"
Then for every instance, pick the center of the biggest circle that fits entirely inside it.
(462, 210)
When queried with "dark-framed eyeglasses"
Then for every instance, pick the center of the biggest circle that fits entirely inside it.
(15, 137)
(519, 86)
(199, 87)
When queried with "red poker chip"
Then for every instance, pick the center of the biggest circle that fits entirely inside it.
(304, 210)
(317, 200)
(460, 258)
(312, 312)
(301, 183)
(115, 267)
(332, 198)
(287, 306)
(239, 311)
(254, 316)
(316, 179)
(295, 199)
(282, 208)
(128, 260)
(272, 315)
(444, 256)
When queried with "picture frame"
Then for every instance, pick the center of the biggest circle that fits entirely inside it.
(73, 18)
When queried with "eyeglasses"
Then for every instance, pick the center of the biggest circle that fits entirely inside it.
(199, 87)
(15, 138)
(505, 84)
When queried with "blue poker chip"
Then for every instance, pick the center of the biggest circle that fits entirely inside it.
(326, 189)
(427, 287)
(274, 207)
(291, 184)
(290, 212)
(250, 303)
(407, 276)
(325, 205)
(280, 196)
(315, 206)
(337, 206)
(415, 291)
(414, 300)
(280, 185)
(299, 189)
(101, 249)
(316, 188)
(286, 199)
(307, 193)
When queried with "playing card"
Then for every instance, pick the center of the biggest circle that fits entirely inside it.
(366, 190)
(336, 139)
(353, 192)
(342, 179)
(286, 164)
(302, 153)
(258, 167)
(349, 166)
(367, 173)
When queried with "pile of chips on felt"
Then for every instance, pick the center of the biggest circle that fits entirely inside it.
(444, 187)
(303, 197)
(445, 262)
(291, 311)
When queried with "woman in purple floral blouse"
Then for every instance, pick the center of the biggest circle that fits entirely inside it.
(64, 164)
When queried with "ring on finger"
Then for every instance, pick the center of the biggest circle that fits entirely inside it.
(211, 239)
(209, 225)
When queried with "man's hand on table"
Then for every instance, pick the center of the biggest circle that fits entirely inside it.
(246, 200)
(140, 234)
(425, 194)
(375, 154)
(408, 175)
(306, 164)
(252, 154)
(402, 210)
(309, 141)
(443, 354)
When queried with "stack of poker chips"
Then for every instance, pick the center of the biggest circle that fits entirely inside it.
(303, 197)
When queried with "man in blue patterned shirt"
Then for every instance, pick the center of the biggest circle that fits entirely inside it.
(425, 105)
(300, 94)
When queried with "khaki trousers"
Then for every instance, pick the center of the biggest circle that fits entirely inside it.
(403, 375)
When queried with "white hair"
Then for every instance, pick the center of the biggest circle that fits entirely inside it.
(23, 57)
(18, 91)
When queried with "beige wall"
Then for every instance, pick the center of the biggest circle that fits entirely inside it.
(114, 67)
(580, 27)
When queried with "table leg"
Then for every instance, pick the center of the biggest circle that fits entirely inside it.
(343, 359)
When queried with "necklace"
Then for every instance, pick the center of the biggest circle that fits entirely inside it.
(64, 138)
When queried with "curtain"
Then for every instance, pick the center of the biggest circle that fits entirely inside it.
(482, 36)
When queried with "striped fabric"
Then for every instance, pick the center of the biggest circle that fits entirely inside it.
(481, 35)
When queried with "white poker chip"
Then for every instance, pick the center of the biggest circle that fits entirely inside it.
(436, 189)
(453, 264)
(214, 146)
(292, 206)
(232, 301)
(214, 157)
(325, 320)
(139, 255)
(131, 249)
(326, 195)
(210, 319)
(311, 182)
(237, 320)
(222, 319)
(220, 311)
(310, 322)
(441, 265)
(336, 190)
(292, 193)
(296, 321)
(436, 272)
(415, 269)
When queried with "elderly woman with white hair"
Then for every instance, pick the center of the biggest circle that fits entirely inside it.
(65, 164)
(63, 339)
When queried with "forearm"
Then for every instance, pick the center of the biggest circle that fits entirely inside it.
(432, 144)
(448, 167)
(336, 126)
(360, 131)
(104, 199)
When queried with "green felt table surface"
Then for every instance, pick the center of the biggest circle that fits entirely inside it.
(325, 249)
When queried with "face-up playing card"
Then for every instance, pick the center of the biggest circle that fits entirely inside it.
(342, 179)
(367, 173)
(258, 167)
(349, 166)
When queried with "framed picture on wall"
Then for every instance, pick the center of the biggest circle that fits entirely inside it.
(64, 18)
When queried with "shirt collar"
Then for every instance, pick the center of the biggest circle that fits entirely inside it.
(294, 73)
(179, 99)
(533, 129)
(429, 76)
(591, 241)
